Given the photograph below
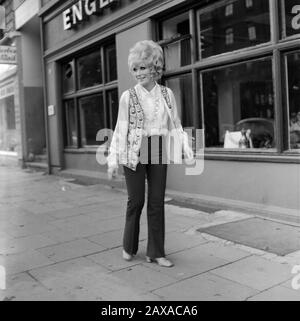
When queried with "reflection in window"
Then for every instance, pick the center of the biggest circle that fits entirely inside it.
(239, 97)
(252, 32)
(229, 36)
(249, 3)
(10, 112)
(70, 124)
(91, 118)
(176, 41)
(293, 65)
(181, 87)
(8, 134)
(68, 76)
(229, 10)
(214, 35)
(89, 70)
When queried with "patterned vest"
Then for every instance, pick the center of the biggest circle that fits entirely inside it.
(135, 126)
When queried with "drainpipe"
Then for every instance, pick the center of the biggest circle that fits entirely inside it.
(45, 100)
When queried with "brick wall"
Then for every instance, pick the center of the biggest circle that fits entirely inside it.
(9, 16)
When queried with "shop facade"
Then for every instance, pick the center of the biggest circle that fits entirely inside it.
(10, 120)
(10, 125)
(233, 65)
(22, 131)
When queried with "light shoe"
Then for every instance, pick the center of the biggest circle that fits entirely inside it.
(126, 256)
(161, 261)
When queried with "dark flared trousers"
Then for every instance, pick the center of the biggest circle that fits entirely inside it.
(155, 171)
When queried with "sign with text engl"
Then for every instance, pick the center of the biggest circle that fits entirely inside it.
(83, 9)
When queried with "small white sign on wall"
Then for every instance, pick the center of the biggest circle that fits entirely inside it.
(51, 110)
(2, 278)
(8, 55)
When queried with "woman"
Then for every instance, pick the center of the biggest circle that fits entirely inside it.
(141, 142)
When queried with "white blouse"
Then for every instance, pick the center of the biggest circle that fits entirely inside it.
(155, 114)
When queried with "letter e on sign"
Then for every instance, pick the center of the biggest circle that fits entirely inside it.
(2, 278)
(296, 19)
(67, 19)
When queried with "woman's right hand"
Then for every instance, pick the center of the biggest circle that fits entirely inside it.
(112, 172)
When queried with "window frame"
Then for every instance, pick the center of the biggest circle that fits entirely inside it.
(248, 150)
(286, 103)
(275, 48)
(219, 4)
(99, 89)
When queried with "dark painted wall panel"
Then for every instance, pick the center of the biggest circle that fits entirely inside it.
(35, 127)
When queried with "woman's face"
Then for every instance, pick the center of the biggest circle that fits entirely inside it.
(142, 74)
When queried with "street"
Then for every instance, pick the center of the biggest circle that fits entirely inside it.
(63, 241)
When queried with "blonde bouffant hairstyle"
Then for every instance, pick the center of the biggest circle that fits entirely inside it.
(149, 53)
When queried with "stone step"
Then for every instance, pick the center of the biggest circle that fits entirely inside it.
(39, 166)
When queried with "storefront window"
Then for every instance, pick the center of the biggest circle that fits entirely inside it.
(89, 70)
(91, 118)
(70, 123)
(95, 108)
(290, 13)
(111, 63)
(182, 89)
(68, 76)
(227, 27)
(10, 112)
(8, 134)
(175, 35)
(239, 98)
(293, 71)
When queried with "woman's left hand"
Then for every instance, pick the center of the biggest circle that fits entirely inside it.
(189, 153)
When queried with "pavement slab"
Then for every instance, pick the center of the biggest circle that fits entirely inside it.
(82, 279)
(144, 279)
(21, 262)
(69, 250)
(199, 259)
(113, 261)
(23, 244)
(255, 272)
(178, 241)
(29, 228)
(109, 240)
(205, 287)
(277, 293)
(22, 287)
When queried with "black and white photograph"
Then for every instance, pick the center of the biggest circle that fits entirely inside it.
(149, 153)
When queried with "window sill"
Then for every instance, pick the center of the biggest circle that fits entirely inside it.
(84, 150)
(236, 156)
(263, 156)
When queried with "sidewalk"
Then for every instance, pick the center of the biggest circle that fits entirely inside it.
(63, 241)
